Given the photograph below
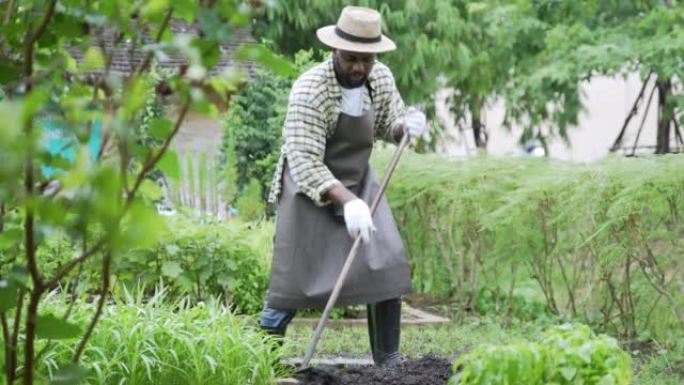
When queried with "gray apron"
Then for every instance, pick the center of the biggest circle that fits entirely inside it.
(311, 243)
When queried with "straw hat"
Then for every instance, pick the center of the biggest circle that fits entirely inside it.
(358, 30)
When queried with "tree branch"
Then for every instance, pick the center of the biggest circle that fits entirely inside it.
(157, 39)
(30, 334)
(67, 267)
(643, 120)
(106, 264)
(7, 345)
(8, 13)
(632, 113)
(43, 25)
(152, 161)
(15, 335)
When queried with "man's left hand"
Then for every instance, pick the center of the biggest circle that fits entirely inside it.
(415, 122)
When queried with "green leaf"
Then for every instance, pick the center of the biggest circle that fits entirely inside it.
(69, 375)
(169, 164)
(19, 275)
(210, 51)
(265, 57)
(161, 128)
(32, 103)
(141, 227)
(172, 269)
(50, 327)
(9, 72)
(226, 280)
(608, 379)
(154, 8)
(172, 249)
(150, 190)
(185, 9)
(134, 97)
(8, 295)
(568, 373)
(11, 237)
(93, 60)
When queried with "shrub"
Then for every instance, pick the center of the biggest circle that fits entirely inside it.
(566, 355)
(201, 260)
(253, 127)
(194, 258)
(597, 242)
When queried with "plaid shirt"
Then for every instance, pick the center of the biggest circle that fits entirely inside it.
(312, 113)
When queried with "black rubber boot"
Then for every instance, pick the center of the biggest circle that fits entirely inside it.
(278, 334)
(384, 330)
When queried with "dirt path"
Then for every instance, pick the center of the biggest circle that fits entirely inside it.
(428, 370)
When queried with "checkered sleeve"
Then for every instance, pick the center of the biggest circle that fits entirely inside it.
(389, 124)
(305, 138)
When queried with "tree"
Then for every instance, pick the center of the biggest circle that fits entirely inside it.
(590, 38)
(533, 54)
(102, 200)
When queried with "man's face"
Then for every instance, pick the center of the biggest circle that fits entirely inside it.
(353, 67)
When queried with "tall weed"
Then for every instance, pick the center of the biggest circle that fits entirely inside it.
(161, 341)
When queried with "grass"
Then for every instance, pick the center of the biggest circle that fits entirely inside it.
(447, 340)
(157, 342)
(659, 367)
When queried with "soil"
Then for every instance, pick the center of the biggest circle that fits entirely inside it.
(428, 370)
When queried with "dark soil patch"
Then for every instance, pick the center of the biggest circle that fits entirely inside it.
(428, 370)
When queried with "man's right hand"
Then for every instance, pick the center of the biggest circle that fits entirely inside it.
(357, 217)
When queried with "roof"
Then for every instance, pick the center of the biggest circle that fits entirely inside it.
(124, 61)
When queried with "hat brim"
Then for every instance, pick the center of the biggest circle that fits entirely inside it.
(328, 37)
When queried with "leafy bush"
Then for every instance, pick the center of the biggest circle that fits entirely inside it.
(204, 260)
(191, 258)
(253, 126)
(251, 205)
(599, 242)
(165, 342)
(567, 354)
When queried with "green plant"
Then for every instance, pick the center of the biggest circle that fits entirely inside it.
(532, 54)
(161, 341)
(99, 204)
(204, 260)
(253, 127)
(251, 205)
(565, 355)
(596, 242)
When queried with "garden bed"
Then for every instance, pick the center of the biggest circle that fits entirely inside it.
(428, 370)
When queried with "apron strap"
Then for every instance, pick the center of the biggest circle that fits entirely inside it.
(370, 90)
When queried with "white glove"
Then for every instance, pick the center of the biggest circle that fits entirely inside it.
(358, 218)
(415, 122)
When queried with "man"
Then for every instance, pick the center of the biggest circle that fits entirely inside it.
(323, 185)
